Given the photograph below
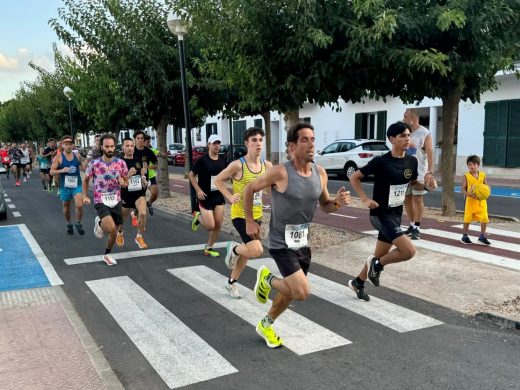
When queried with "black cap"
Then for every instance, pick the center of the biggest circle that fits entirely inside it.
(396, 128)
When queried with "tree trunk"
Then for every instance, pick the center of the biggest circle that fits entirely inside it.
(186, 165)
(162, 171)
(267, 120)
(291, 118)
(450, 113)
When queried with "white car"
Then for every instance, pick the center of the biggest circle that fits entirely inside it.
(345, 156)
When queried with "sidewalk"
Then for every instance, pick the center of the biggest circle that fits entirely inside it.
(492, 181)
(44, 344)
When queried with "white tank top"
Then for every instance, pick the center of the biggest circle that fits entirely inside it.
(417, 138)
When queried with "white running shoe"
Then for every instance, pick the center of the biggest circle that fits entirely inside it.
(109, 260)
(98, 232)
(231, 259)
(233, 290)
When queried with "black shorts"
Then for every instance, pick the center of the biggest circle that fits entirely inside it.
(153, 181)
(212, 201)
(388, 226)
(45, 170)
(240, 226)
(18, 165)
(290, 261)
(128, 199)
(115, 212)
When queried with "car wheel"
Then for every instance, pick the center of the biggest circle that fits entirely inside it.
(349, 170)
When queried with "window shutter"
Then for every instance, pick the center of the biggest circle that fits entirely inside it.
(258, 123)
(513, 135)
(381, 125)
(239, 129)
(357, 128)
(495, 133)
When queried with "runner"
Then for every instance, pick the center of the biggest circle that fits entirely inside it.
(133, 197)
(44, 166)
(16, 166)
(296, 187)
(242, 172)
(153, 187)
(211, 201)
(95, 151)
(149, 161)
(6, 159)
(393, 173)
(109, 174)
(49, 153)
(67, 165)
(25, 161)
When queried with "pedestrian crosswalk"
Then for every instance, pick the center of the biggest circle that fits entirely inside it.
(181, 357)
(502, 251)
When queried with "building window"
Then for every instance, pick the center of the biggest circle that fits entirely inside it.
(307, 119)
(211, 128)
(370, 125)
(258, 123)
(177, 135)
(239, 129)
(502, 134)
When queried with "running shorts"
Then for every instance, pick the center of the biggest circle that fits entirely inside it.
(388, 226)
(240, 226)
(290, 261)
(115, 212)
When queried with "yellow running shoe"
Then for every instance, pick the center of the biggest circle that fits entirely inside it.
(262, 288)
(195, 221)
(139, 240)
(269, 335)
(120, 239)
(211, 252)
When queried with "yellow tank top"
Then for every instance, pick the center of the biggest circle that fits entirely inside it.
(475, 206)
(237, 209)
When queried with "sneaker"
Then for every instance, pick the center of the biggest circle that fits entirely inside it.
(416, 234)
(150, 209)
(409, 231)
(139, 240)
(262, 288)
(17, 184)
(269, 335)
(231, 259)
(70, 229)
(360, 291)
(98, 232)
(484, 240)
(466, 240)
(233, 290)
(372, 274)
(109, 260)
(25, 180)
(80, 229)
(120, 239)
(195, 222)
(211, 252)
(134, 218)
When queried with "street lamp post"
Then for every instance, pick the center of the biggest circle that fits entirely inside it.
(68, 93)
(179, 27)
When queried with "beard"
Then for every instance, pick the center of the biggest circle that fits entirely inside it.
(108, 154)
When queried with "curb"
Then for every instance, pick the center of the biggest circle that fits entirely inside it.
(501, 321)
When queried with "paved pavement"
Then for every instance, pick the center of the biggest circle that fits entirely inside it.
(162, 320)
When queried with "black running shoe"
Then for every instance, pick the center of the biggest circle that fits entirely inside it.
(484, 240)
(150, 209)
(70, 229)
(409, 231)
(416, 234)
(360, 291)
(466, 240)
(79, 228)
(372, 274)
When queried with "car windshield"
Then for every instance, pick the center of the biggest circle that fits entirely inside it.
(175, 147)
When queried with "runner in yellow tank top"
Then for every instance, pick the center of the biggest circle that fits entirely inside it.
(475, 210)
(242, 172)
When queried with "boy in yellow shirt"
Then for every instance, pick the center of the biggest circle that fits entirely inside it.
(475, 210)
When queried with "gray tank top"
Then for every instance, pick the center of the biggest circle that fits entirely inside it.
(293, 210)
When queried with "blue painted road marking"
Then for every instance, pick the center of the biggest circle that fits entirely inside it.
(19, 265)
(496, 191)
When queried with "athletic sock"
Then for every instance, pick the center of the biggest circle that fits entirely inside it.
(231, 280)
(269, 279)
(139, 235)
(417, 225)
(234, 251)
(267, 321)
(482, 235)
(359, 282)
(377, 265)
(107, 251)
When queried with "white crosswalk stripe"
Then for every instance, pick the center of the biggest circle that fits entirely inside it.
(457, 236)
(177, 354)
(385, 313)
(491, 230)
(300, 335)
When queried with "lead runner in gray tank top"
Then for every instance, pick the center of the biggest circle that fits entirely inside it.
(294, 206)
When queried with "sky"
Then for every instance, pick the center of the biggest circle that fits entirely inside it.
(25, 35)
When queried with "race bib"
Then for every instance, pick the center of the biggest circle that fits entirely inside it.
(213, 187)
(6, 159)
(134, 183)
(71, 181)
(396, 195)
(109, 200)
(257, 199)
(296, 236)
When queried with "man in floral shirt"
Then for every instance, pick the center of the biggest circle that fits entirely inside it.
(109, 174)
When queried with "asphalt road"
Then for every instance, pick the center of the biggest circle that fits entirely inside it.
(136, 327)
(497, 205)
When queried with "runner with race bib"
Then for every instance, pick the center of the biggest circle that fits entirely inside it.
(109, 174)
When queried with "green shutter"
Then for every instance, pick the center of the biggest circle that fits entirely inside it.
(381, 125)
(258, 123)
(357, 127)
(495, 133)
(239, 129)
(513, 135)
